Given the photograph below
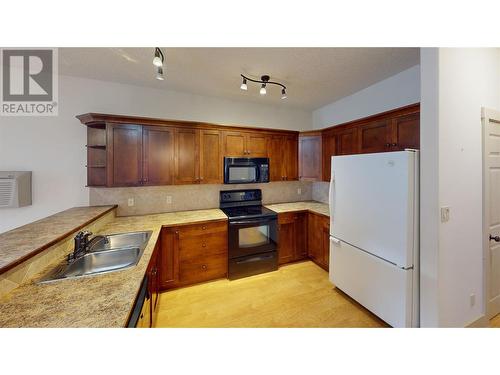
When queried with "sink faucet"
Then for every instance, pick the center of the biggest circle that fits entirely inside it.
(82, 244)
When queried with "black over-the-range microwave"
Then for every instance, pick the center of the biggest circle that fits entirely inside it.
(246, 170)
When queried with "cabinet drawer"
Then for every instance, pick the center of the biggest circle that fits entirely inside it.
(202, 229)
(201, 246)
(195, 270)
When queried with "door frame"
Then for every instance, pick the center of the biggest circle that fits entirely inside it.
(487, 115)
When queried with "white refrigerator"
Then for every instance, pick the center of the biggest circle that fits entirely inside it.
(374, 234)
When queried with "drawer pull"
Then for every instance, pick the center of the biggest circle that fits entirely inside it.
(204, 244)
(203, 227)
(203, 267)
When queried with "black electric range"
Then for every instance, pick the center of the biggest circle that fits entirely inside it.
(252, 233)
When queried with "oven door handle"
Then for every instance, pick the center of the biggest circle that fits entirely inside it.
(255, 221)
(255, 259)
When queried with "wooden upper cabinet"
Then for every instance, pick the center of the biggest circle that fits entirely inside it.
(276, 159)
(245, 144)
(234, 144)
(291, 150)
(256, 145)
(347, 141)
(187, 166)
(158, 155)
(310, 157)
(211, 157)
(124, 154)
(283, 155)
(329, 143)
(406, 132)
(375, 137)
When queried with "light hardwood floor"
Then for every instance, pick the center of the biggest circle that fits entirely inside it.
(297, 295)
(495, 322)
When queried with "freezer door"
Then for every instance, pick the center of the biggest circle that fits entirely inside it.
(373, 201)
(381, 287)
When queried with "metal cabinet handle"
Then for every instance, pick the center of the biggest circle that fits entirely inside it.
(203, 267)
(495, 238)
(203, 227)
(394, 144)
(203, 244)
(387, 145)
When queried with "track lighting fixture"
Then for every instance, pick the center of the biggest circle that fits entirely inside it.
(263, 90)
(158, 61)
(159, 74)
(283, 94)
(244, 85)
(264, 81)
(158, 57)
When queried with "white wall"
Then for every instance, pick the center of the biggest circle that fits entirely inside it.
(54, 147)
(429, 188)
(396, 91)
(467, 79)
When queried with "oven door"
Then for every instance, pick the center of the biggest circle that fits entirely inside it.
(252, 236)
(240, 171)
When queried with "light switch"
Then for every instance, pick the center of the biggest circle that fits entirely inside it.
(130, 202)
(445, 214)
(299, 191)
(169, 199)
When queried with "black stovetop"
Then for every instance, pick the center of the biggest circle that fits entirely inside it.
(248, 212)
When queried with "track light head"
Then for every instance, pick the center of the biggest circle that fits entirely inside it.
(158, 58)
(263, 90)
(283, 94)
(159, 74)
(244, 85)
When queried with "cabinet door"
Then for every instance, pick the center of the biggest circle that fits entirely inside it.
(234, 144)
(300, 224)
(325, 242)
(314, 238)
(124, 154)
(211, 157)
(310, 158)
(276, 159)
(347, 142)
(256, 145)
(291, 158)
(186, 156)
(329, 142)
(375, 137)
(406, 132)
(169, 258)
(158, 160)
(286, 247)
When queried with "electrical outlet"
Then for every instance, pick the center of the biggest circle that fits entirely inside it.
(130, 202)
(169, 199)
(472, 300)
(299, 191)
(445, 214)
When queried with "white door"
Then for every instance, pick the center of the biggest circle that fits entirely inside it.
(373, 202)
(491, 209)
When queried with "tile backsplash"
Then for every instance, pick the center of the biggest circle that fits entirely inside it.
(157, 199)
(320, 191)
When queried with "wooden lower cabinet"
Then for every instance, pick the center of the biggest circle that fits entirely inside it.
(318, 237)
(192, 254)
(292, 237)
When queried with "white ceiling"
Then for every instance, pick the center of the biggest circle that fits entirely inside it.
(313, 76)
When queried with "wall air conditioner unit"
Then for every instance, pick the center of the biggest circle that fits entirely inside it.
(15, 189)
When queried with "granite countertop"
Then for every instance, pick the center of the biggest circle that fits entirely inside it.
(22, 243)
(313, 206)
(98, 301)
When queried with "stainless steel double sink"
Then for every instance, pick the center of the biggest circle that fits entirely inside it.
(108, 254)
